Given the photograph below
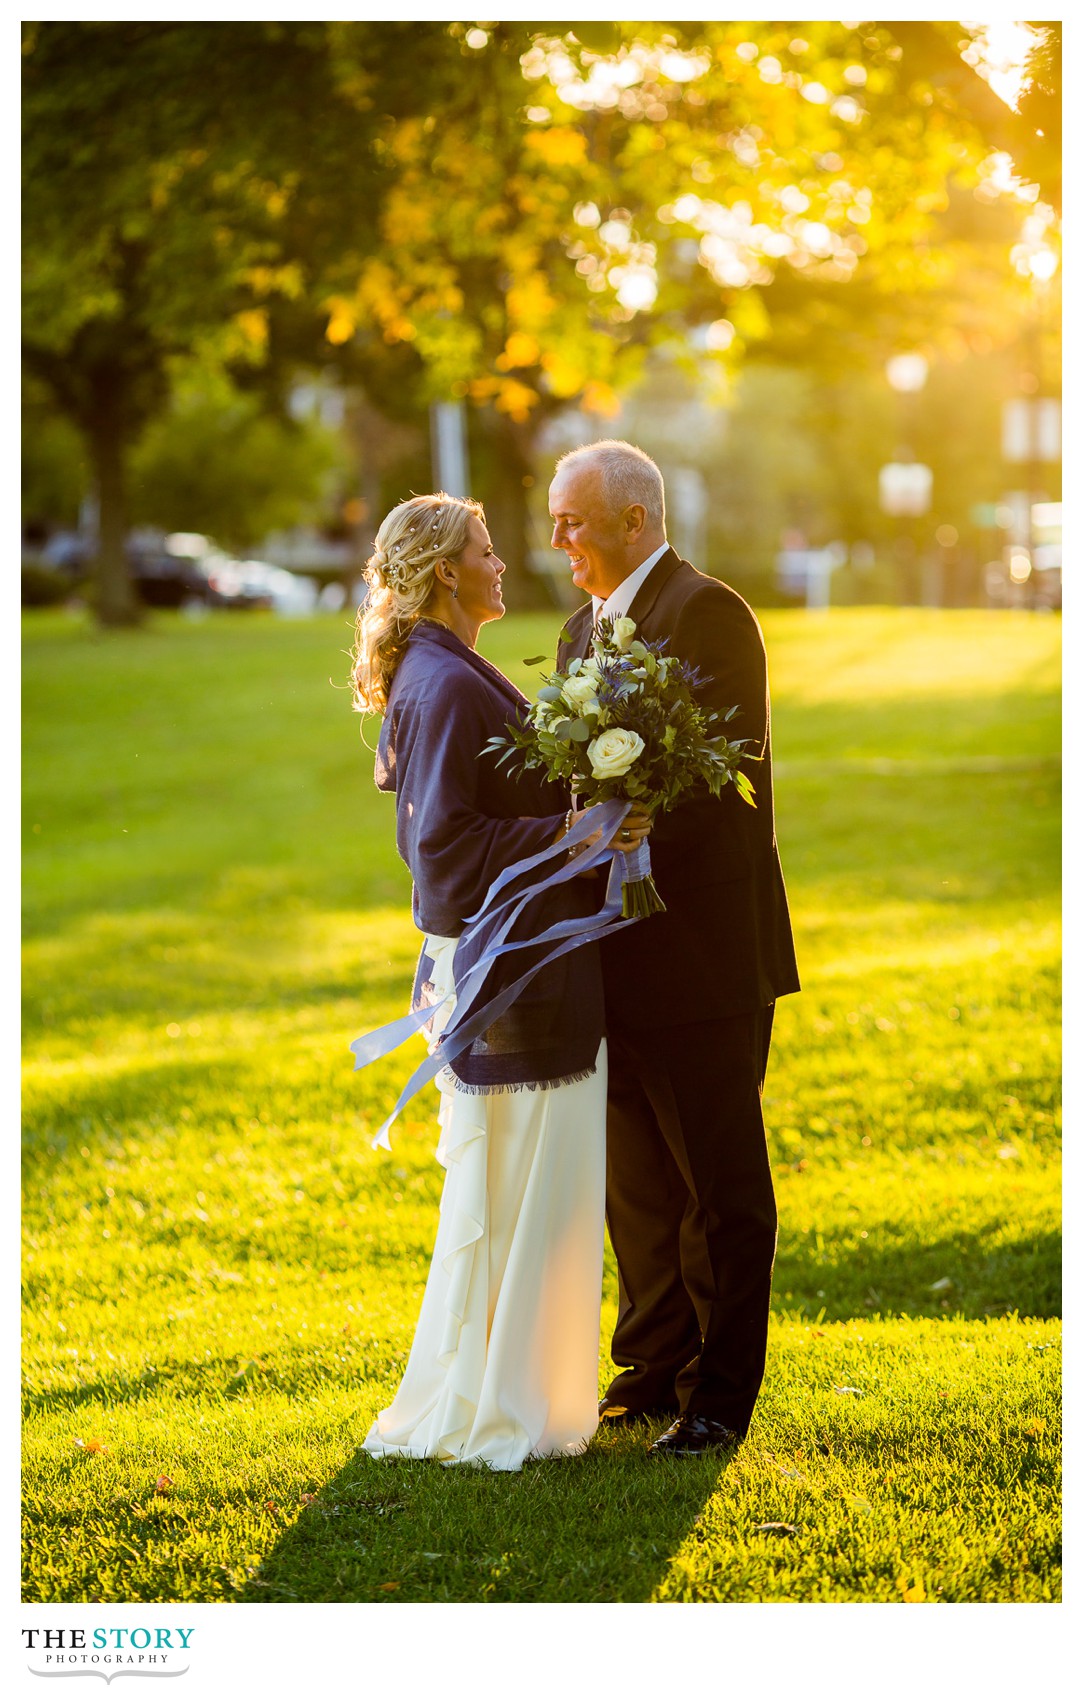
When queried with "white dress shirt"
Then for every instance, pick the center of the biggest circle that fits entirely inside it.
(621, 599)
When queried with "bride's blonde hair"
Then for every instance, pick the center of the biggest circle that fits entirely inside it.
(413, 538)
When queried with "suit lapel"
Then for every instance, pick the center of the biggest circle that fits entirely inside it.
(648, 593)
(578, 627)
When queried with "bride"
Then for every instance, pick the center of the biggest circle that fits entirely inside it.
(504, 1361)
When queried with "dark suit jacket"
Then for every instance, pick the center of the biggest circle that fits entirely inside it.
(724, 945)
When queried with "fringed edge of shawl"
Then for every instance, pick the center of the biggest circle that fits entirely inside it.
(487, 1089)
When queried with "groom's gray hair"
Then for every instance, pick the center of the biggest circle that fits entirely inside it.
(628, 475)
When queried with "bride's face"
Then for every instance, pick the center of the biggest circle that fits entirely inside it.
(478, 573)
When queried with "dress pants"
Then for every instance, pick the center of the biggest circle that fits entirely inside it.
(691, 1214)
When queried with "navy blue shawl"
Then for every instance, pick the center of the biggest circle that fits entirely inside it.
(460, 821)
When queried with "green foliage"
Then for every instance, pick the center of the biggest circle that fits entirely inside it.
(513, 214)
(222, 1277)
(816, 189)
(217, 462)
(54, 473)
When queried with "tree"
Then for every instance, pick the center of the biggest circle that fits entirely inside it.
(512, 214)
(218, 462)
(174, 197)
(823, 197)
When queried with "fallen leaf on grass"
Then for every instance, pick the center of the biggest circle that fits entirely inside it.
(795, 1475)
(163, 1484)
(775, 1529)
(1035, 1428)
(91, 1445)
(388, 1587)
(912, 1593)
(856, 1390)
(856, 1503)
(270, 1505)
(307, 1498)
(944, 1285)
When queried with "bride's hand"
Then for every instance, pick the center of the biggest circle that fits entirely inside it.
(631, 832)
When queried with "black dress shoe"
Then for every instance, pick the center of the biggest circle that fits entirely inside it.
(612, 1414)
(692, 1437)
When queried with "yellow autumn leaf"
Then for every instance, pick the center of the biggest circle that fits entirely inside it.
(340, 328)
(519, 350)
(601, 399)
(912, 1593)
(565, 375)
(408, 219)
(530, 303)
(1035, 1427)
(560, 145)
(253, 326)
(516, 400)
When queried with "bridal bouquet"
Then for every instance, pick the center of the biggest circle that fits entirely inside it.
(623, 724)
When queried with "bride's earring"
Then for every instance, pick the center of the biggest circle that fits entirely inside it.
(455, 592)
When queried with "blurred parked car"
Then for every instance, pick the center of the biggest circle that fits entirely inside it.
(66, 552)
(167, 579)
(182, 569)
(256, 584)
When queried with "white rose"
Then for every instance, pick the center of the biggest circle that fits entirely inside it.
(579, 692)
(624, 630)
(612, 753)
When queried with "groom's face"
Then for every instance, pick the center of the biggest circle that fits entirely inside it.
(592, 537)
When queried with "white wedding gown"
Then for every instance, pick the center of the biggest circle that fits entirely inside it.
(504, 1361)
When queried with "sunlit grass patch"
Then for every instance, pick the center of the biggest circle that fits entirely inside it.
(889, 1461)
(222, 1277)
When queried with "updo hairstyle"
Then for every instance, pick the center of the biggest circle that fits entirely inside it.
(400, 575)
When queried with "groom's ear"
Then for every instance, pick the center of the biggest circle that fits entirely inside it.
(634, 520)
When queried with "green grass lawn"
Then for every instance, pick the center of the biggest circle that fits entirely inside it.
(222, 1276)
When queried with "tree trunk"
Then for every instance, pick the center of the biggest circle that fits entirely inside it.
(118, 603)
(503, 452)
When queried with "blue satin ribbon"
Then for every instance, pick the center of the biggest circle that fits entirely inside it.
(467, 1022)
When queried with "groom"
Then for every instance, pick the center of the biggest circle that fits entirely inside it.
(690, 993)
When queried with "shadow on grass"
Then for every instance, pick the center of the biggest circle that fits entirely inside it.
(989, 1271)
(602, 1527)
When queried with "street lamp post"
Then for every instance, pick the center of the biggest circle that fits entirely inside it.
(450, 465)
(905, 483)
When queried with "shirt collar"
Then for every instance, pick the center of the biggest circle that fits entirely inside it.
(621, 599)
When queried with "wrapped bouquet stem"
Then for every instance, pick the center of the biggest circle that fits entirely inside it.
(639, 894)
(623, 724)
